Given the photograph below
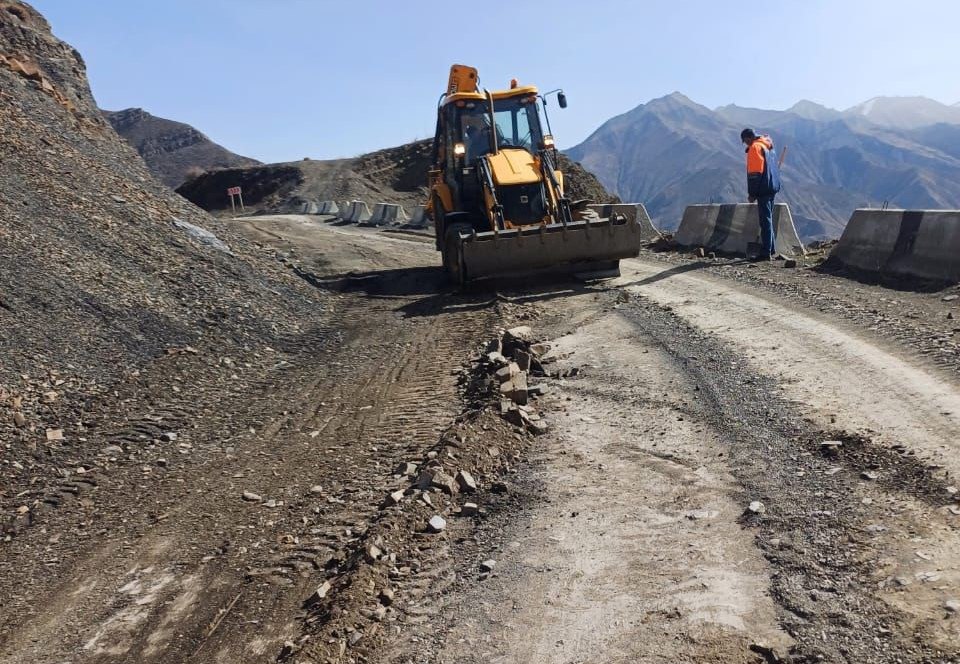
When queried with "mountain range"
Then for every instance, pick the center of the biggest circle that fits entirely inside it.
(672, 152)
(173, 151)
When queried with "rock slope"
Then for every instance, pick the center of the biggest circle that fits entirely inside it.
(173, 151)
(102, 268)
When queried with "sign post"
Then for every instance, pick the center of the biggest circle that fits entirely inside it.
(235, 191)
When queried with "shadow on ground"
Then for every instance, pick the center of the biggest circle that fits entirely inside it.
(835, 268)
(674, 271)
(433, 294)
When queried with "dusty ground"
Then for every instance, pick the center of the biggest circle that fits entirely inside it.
(681, 393)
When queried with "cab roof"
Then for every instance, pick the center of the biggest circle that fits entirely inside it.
(519, 91)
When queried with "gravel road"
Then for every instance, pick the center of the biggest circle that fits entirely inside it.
(683, 505)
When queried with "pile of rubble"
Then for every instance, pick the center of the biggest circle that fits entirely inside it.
(400, 561)
(513, 358)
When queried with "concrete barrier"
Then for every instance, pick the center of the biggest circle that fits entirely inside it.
(419, 218)
(729, 229)
(342, 208)
(328, 207)
(309, 208)
(633, 212)
(356, 212)
(909, 243)
(386, 214)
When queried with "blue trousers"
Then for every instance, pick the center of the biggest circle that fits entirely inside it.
(765, 214)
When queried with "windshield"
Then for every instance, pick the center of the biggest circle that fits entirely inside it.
(518, 125)
(517, 122)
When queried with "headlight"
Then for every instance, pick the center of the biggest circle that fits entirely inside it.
(459, 149)
(548, 141)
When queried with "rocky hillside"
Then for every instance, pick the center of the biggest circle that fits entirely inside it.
(173, 151)
(672, 152)
(393, 175)
(103, 270)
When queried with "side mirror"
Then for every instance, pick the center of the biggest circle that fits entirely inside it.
(562, 99)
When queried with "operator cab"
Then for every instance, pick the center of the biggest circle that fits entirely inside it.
(464, 134)
(517, 123)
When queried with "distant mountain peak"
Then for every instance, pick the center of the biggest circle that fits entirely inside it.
(811, 110)
(679, 96)
(906, 112)
(674, 101)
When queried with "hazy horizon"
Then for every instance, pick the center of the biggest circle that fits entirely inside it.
(283, 80)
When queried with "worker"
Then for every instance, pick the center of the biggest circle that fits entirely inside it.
(763, 183)
(477, 143)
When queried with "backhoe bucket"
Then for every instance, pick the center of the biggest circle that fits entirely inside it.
(579, 246)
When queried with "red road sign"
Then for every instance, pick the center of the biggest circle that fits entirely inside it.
(233, 191)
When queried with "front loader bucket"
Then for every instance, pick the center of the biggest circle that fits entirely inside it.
(577, 247)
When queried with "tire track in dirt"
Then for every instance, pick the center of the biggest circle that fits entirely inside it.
(178, 586)
(860, 540)
(835, 535)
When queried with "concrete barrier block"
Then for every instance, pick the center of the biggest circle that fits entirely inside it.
(356, 212)
(418, 217)
(386, 214)
(343, 208)
(731, 228)
(909, 243)
(328, 207)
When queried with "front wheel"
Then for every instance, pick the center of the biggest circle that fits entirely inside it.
(439, 223)
(453, 254)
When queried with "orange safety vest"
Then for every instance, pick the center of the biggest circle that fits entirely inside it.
(756, 158)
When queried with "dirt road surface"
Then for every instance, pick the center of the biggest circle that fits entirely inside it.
(682, 507)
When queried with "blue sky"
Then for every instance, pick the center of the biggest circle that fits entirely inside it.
(279, 80)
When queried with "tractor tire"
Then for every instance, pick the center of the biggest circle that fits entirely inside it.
(438, 223)
(453, 255)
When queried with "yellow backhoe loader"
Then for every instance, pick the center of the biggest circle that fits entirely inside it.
(497, 197)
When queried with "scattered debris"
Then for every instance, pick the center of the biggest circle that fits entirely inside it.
(831, 447)
(395, 497)
(466, 482)
(437, 524)
(319, 594)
